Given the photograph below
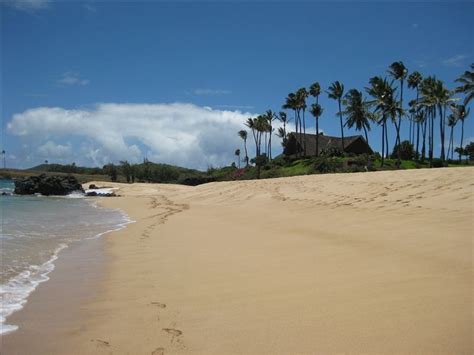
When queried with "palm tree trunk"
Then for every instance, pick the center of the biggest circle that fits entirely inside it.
(399, 125)
(246, 154)
(417, 139)
(423, 147)
(431, 137)
(383, 144)
(367, 140)
(317, 137)
(450, 141)
(442, 127)
(386, 142)
(270, 143)
(304, 132)
(342, 127)
(462, 137)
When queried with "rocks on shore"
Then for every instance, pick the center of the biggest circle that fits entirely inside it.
(47, 185)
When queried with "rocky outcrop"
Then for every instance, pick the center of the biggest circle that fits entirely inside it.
(47, 185)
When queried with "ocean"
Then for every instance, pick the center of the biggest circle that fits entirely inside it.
(34, 230)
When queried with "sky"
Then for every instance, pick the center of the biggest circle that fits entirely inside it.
(98, 82)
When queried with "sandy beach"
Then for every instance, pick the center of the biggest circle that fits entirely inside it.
(365, 263)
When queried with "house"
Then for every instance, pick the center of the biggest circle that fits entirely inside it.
(327, 144)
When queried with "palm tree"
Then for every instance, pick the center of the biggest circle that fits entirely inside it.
(461, 112)
(385, 106)
(237, 153)
(291, 103)
(252, 124)
(336, 92)
(357, 113)
(428, 102)
(442, 97)
(270, 117)
(399, 72)
(243, 135)
(414, 80)
(317, 111)
(467, 85)
(282, 117)
(452, 121)
(302, 94)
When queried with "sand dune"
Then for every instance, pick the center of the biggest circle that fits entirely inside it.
(372, 263)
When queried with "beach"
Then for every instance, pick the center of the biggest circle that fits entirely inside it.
(372, 263)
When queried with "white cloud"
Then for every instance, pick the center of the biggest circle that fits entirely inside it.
(72, 78)
(178, 133)
(53, 150)
(211, 92)
(455, 61)
(27, 5)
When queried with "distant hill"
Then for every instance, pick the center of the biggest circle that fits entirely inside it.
(145, 172)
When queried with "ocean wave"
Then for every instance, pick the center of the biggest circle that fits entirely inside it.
(14, 293)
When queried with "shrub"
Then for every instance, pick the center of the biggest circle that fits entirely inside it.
(406, 151)
(327, 165)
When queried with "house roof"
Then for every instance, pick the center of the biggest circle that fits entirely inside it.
(327, 143)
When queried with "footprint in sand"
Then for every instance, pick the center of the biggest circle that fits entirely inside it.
(158, 304)
(101, 343)
(173, 332)
(158, 351)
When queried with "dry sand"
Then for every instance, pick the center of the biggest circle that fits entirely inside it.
(368, 263)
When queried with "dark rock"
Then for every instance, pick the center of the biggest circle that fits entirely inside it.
(93, 187)
(47, 185)
(91, 193)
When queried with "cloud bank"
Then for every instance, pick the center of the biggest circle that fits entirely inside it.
(178, 133)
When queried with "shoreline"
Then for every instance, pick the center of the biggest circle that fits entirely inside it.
(74, 266)
(357, 263)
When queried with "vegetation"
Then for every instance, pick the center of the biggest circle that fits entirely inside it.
(386, 105)
(434, 105)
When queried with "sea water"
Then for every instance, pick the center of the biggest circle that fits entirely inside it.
(33, 231)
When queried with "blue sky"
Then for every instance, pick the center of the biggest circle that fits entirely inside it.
(94, 82)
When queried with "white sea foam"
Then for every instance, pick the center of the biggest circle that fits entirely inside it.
(15, 292)
(39, 223)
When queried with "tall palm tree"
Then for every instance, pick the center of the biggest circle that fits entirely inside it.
(399, 72)
(317, 111)
(237, 153)
(467, 85)
(428, 102)
(452, 121)
(336, 92)
(291, 103)
(421, 119)
(302, 94)
(414, 80)
(385, 107)
(251, 123)
(243, 135)
(270, 116)
(461, 112)
(442, 97)
(283, 118)
(357, 113)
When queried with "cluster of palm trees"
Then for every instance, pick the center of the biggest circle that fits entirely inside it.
(385, 105)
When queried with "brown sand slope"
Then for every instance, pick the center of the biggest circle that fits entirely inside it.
(367, 263)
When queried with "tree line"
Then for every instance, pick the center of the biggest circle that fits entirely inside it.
(434, 110)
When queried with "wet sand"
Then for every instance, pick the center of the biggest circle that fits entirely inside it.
(373, 263)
